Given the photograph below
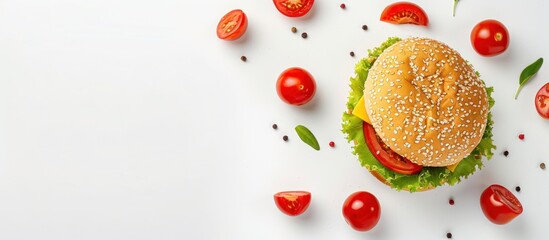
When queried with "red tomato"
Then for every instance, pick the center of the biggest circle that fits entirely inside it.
(542, 101)
(499, 205)
(294, 8)
(233, 25)
(404, 12)
(292, 203)
(385, 155)
(490, 38)
(362, 211)
(296, 86)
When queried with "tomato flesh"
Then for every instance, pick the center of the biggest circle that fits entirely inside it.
(542, 101)
(362, 211)
(499, 205)
(296, 86)
(490, 38)
(404, 13)
(232, 25)
(294, 8)
(385, 155)
(292, 203)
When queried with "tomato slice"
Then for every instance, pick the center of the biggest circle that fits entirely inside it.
(499, 204)
(294, 8)
(542, 101)
(385, 155)
(232, 25)
(292, 203)
(404, 12)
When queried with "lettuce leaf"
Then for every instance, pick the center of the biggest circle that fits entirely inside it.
(429, 176)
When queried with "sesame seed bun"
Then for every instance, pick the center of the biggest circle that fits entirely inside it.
(426, 102)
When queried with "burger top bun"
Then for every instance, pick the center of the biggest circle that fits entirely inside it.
(426, 102)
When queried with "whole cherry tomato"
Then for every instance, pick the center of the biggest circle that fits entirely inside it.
(499, 205)
(490, 38)
(292, 203)
(294, 8)
(362, 211)
(404, 12)
(542, 101)
(296, 86)
(232, 25)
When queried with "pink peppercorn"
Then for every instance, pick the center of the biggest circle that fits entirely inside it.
(521, 136)
(342, 6)
(332, 144)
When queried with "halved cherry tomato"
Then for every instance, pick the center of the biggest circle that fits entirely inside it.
(292, 203)
(233, 25)
(542, 101)
(294, 8)
(296, 86)
(404, 12)
(362, 211)
(385, 155)
(499, 205)
(490, 38)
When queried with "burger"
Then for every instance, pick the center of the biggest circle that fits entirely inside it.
(418, 115)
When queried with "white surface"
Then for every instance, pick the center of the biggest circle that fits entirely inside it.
(130, 120)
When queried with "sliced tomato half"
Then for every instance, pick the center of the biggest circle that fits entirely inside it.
(232, 25)
(385, 155)
(542, 101)
(294, 8)
(404, 12)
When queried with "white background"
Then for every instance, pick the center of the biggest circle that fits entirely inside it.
(128, 119)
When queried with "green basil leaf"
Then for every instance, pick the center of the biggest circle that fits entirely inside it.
(307, 136)
(528, 73)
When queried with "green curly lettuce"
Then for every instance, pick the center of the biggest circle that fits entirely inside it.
(429, 177)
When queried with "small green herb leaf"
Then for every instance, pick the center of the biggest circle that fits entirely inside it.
(307, 136)
(528, 73)
(454, 7)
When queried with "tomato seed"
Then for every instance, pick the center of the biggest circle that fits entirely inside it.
(517, 188)
(352, 54)
(542, 166)
(506, 153)
(294, 29)
(332, 144)
(285, 138)
(364, 27)
(243, 58)
(275, 126)
(304, 35)
(448, 235)
(451, 201)
(342, 6)
(521, 136)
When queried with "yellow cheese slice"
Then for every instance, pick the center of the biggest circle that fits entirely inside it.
(453, 166)
(360, 111)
